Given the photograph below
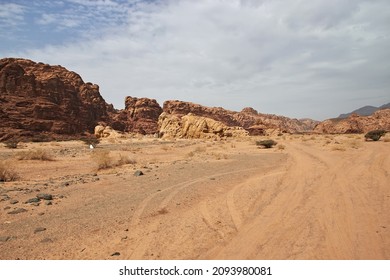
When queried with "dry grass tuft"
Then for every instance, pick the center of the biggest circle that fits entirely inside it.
(102, 158)
(125, 160)
(281, 147)
(105, 161)
(355, 144)
(339, 148)
(163, 211)
(219, 156)
(7, 173)
(35, 154)
(200, 150)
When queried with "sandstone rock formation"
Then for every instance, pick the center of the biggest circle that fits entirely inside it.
(102, 131)
(139, 116)
(192, 126)
(356, 124)
(41, 100)
(252, 121)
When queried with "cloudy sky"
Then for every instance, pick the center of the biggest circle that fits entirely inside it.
(313, 58)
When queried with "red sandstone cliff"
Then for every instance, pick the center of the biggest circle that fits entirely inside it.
(356, 124)
(39, 99)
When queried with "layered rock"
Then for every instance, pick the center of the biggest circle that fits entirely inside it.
(192, 126)
(139, 116)
(356, 124)
(248, 118)
(39, 99)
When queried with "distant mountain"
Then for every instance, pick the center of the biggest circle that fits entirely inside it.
(365, 111)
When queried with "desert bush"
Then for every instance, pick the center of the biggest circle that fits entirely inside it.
(11, 144)
(7, 173)
(35, 154)
(125, 160)
(219, 156)
(199, 150)
(375, 135)
(104, 160)
(338, 148)
(266, 143)
(281, 147)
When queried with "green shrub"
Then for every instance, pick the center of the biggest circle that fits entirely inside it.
(375, 135)
(266, 143)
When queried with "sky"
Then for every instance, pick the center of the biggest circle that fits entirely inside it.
(314, 58)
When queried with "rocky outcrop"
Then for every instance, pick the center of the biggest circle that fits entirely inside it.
(102, 131)
(356, 124)
(47, 101)
(43, 102)
(139, 116)
(249, 119)
(192, 126)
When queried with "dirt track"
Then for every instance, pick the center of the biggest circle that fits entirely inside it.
(307, 201)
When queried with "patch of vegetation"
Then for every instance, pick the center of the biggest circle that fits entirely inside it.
(266, 143)
(34, 154)
(11, 144)
(7, 173)
(281, 147)
(375, 135)
(125, 160)
(104, 160)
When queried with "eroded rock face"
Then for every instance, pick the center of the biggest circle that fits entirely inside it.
(192, 126)
(139, 116)
(356, 124)
(40, 99)
(249, 119)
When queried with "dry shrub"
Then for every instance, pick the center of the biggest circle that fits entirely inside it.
(339, 148)
(105, 161)
(125, 160)
(355, 144)
(165, 148)
(163, 211)
(267, 144)
(34, 154)
(281, 147)
(190, 154)
(219, 156)
(200, 150)
(102, 158)
(7, 173)
(11, 144)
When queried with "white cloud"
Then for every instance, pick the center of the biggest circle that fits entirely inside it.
(297, 58)
(11, 14)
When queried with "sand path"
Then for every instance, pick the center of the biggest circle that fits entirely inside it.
(307, 202)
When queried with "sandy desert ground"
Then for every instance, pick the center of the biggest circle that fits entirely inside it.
(310, 197)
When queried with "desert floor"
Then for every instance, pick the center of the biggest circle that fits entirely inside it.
(310, 197)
